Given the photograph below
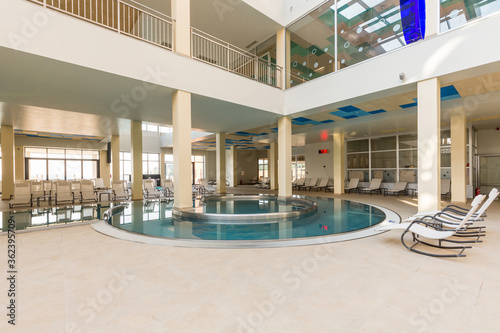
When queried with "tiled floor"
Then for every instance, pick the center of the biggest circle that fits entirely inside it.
(77, 280)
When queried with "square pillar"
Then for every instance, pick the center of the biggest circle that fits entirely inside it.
(458, 158)
(232, 165)
(19, 163)
(429, 150)
(285, 156)
(283, 56)
(181, 13)
(115, 157)
(273, 166)
(338, 162)
(181, 125)
(7, 143)
(104, 168)
(162, 166)
(221, 162)
(136, 144)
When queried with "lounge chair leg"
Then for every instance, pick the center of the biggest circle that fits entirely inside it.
(417, 241)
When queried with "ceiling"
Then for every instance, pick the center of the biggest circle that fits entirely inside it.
(41, 94)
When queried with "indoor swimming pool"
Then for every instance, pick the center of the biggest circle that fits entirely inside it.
(245, 221)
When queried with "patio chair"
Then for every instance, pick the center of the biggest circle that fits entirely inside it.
(434, 230)
(76, 188)
(374, 187)
(88, 192)
(399, 187)
(150, 191)
(168, 187)
(312, 183)
(307, 183)
(22, 195)
(322, 184)
(205, 188)
(454, 211)
(352, 186)
(63, 192)
(299, 183)
(99, 184)
(37, 191)
(263, 183)
(119, 191)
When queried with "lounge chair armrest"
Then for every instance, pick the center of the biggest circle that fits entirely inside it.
(436, 226)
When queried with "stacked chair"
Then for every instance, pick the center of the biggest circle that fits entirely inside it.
(118, 188)
(453, 224)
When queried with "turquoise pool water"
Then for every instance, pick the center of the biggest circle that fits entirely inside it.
(333, 216)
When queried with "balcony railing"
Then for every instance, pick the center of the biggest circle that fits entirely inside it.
(216, 52)
(123, 16)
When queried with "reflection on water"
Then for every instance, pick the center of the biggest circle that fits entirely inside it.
(334, 216)
(38, 217)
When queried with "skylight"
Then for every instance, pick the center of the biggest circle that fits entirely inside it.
(375, 27)
(391, 45)
(372, 3)
(352, 11)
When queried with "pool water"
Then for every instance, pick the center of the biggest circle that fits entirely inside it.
(334, 216)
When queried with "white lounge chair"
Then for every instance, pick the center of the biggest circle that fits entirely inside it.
(88, 192)
(99, 184)
(264, 183)
(63, 192)
(454, 212)
(434, 230)
(22, 195)
(322, 184)
(352, 186)
(168, 187)
(312, 183)
(299, 183)
(76, 188)
(150, 191)
(399, 187)
(205, 188)
(374, 187)
(119, 191)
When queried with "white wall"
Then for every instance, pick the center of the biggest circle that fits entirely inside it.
(248, 162)
(91, 46)
(316, 161)
(488, 142)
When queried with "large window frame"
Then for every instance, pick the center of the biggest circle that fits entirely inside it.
(263, 167)
(68, 156)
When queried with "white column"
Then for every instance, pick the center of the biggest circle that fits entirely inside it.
(181, 126)
(7, 143)
(285, 156)
(136, 137)
(105, 168)
(283, 56)
(232, 165)
(19, 163)
(181, 13)
(162, 165)
(338, 162)
(115, 156)
(221, 162)
(429, 137)
(458, 158)
(432, 13)
(273, 166)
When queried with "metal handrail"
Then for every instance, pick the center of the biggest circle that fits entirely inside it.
(218, 53)
(145, 24)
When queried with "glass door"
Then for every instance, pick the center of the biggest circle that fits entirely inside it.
(488, 173)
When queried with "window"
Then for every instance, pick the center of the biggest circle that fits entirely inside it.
(298, 167)
(169, 166)
(198, 163)
(63, 164)
(150, 163)
(125, 166)
(263, 167)
(455, 13)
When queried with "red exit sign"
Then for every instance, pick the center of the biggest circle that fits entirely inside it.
(323, 151)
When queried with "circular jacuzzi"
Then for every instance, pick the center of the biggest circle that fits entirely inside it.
(248, 209)
(244, 221)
